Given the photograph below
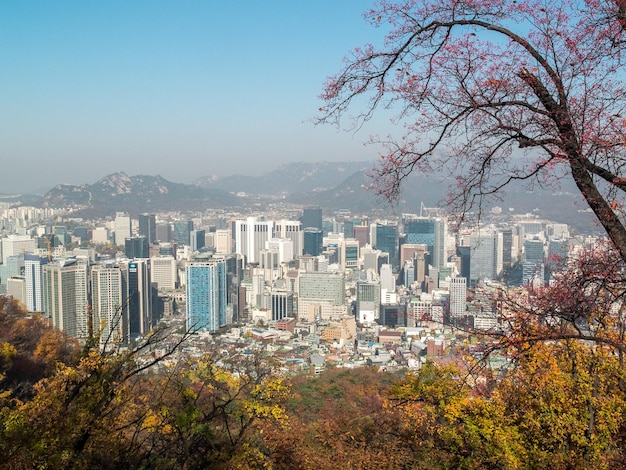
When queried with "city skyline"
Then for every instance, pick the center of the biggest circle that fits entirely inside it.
(181, 90)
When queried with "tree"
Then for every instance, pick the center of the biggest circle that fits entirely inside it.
(498, 91)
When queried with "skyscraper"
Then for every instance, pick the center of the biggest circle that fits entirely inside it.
(312, 218)
(123, 228)
(33, 274)
(163, 272)
(140, 298)
(313, 241)
(206, 295)
(250, 237)
(458, 296)
(109, 291)
(282, 304)
(322, 293)
(349, 253)
(66, 297)
(16, 245)
(147, 227)
(485, 255)
(367, 301)
(197, 239)
(223, 241)
(292, 230)
(182, 231)
(387, 241)
(136, 247)
(430, 231)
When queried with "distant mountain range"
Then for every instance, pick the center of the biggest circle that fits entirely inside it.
(289, 178)
(330, 185)
(135, 195)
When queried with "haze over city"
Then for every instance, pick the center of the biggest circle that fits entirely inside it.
(177, 89)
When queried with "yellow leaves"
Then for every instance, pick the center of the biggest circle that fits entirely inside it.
(267, 399)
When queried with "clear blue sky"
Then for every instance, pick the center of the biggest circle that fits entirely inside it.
(177, 88)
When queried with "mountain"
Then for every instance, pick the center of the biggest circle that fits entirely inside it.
(332, 186)
(288, 178)
(135, 194)
(561, 204)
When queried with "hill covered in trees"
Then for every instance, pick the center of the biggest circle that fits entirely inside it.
(547, 391)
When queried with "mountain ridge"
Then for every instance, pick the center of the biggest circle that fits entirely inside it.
(330, 185)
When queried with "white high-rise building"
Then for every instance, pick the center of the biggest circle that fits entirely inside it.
(66, 297)
(223, 242)
(321, 294)
(387, 280)
(291, 229)
(17, 244)
(458, 296)
(109, 290)
(33, 274)
(284, 248)
(123, 228)
(251, 236)
(164, 272)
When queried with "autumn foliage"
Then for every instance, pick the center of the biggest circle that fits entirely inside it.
(551, 392)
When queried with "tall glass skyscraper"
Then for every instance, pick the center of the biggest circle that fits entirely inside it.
(206, 295)
(313, 241)
(431, 232)
(182, 231)
(387, 241)
(147, 227)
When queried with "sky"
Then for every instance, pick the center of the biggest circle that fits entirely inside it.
(177, 88)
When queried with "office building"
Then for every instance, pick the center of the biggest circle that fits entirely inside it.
(33, 275)
(387, 279)
(387, 241)
(163, 272)
(251, 236)
(14, 245)
(458, 296)
(430, 231)
(147, 227)
(312, 218)
(283, 246)
(197, 239)
(223, 242)
(291, 230)
(349, 254)
(485, 255)
(136, 247)
(182, 232)
(140, 298)
(123, 228)
(66, 298)
(16, 288)
(109, 300)
(313, 241)
(100, 235)
(164, 232)
(206, 294)
(361, 233)
(282, 304)
(321, 295)
(367, 301)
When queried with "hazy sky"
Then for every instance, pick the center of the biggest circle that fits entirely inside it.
(176, 88)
